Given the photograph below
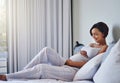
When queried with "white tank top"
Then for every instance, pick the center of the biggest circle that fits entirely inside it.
(91, 52)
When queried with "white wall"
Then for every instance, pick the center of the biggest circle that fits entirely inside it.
(88, 12)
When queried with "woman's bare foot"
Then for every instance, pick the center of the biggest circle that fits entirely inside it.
(3, 77)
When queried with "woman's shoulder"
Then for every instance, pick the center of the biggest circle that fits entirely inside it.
(105, 47)
(97, 45)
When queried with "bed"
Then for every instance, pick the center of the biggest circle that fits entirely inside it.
(43, 81)
(103, 68)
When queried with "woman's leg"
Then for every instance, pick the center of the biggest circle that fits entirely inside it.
(64, 73)
(47, 56)
(45, 71)
(30, 73)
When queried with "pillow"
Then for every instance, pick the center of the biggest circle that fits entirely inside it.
(108, 51)
(91, 52)
(109, 71)
(89, 69)
(77, 49)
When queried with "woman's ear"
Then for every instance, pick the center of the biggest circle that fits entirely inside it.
(103, 35)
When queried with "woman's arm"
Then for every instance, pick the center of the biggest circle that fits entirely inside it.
(103, 49)
(74, 64)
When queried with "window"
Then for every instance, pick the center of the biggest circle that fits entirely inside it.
(3, 42)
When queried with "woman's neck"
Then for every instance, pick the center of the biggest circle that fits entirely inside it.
(102, 43)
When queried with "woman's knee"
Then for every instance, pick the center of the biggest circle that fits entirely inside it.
(47, 49)
(44, 50)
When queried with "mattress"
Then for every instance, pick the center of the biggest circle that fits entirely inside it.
(43, 81)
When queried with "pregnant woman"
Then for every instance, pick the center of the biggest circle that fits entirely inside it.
(47, 64)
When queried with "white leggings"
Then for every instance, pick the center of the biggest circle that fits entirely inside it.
(47, 64)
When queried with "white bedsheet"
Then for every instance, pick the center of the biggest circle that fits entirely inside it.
(42, 81)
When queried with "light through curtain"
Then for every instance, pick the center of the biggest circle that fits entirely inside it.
(3, 43)
(34, 24)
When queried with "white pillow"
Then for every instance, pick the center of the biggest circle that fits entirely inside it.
(109, 71)
(89, 69)
(108, 51)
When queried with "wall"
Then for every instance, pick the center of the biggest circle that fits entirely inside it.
(88, 12)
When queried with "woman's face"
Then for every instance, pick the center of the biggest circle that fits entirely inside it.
(97, 35)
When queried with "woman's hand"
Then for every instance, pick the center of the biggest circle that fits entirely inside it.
(74, 63)
(83, 53)
(68, 62)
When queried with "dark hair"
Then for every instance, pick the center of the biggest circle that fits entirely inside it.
(102, 27)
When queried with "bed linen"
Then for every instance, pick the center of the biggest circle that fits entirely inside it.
(98, 74)
(43, 81)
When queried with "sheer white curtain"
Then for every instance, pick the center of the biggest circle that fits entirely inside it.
(34, 24)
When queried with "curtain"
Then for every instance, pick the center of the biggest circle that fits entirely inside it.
(34, 24)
